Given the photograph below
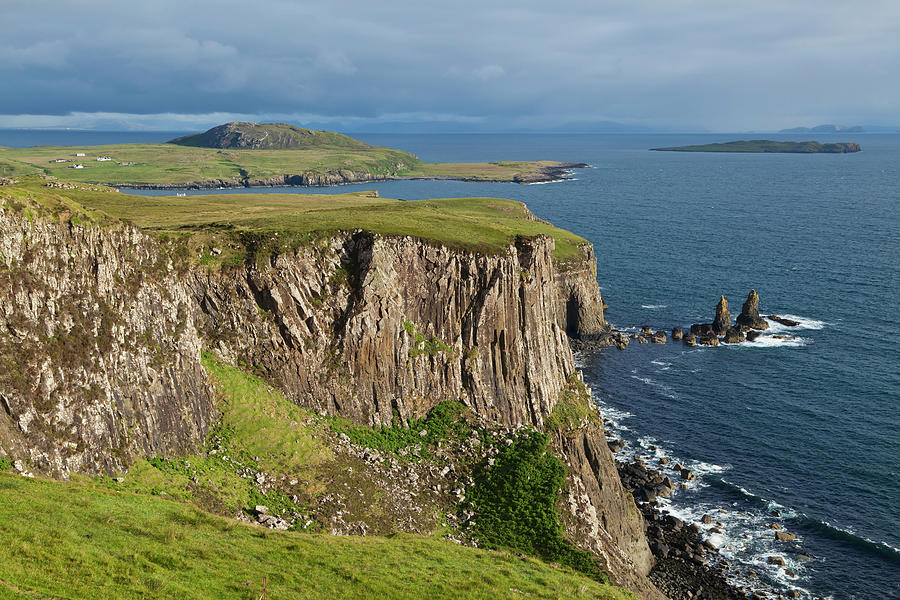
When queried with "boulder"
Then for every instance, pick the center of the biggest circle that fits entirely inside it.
(752, 335)
(615, 445)
(709, 339)
(722, 322)
(689, 339)
(734, 335)
(699, 329)
(642, 340)
(658, 337)
(749, 316)
(646, 330)
(677, 334)
(792, 593)
(783, 321)
(783, 536)
(775, 560)
(707, 520)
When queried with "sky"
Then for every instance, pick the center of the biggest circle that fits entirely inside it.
(676, 65)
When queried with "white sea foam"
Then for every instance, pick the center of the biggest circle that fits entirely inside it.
(546, 182)
(661, 363)
(654, 306)
(664, 389)
(770, 341)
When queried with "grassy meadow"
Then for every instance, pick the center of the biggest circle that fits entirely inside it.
(478, 224)
(175, 165)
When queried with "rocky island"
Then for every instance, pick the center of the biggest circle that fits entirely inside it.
(766, 146)
(244, 154)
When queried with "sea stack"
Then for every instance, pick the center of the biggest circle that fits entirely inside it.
(749, 317)
(722, 322)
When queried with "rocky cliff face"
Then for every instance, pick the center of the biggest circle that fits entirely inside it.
(99, 354)
(101, 334)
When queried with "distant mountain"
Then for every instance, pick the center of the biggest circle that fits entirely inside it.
(824, 129)
(267, 136)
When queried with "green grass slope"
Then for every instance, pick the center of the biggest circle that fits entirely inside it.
(483, 224)
(79, 540)
(146, 537)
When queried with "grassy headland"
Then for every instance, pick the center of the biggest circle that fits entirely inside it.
(769, 146)
(483, 224)
(254, 154)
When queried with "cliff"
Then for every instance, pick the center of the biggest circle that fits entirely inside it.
(102, 328)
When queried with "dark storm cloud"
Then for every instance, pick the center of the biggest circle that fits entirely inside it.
(706, 63)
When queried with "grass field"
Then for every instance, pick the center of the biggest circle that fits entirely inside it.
(483, 224)
(146, 537)
(80, 540)
(175, 165)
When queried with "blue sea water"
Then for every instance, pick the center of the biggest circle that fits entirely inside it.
(803, 432)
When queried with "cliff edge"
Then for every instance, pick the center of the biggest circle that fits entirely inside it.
(103, 325)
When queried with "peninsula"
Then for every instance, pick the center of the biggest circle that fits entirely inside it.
(257, 155)
(767, 146)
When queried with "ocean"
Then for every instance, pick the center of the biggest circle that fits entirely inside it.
(802, 432)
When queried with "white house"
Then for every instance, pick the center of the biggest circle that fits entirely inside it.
(79, 154)
(61, 160)
(77, 166)
(103, 159)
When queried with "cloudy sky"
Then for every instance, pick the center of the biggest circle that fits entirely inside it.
(474, 65)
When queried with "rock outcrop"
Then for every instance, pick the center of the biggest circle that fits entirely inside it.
(723, 317)
(749, 317)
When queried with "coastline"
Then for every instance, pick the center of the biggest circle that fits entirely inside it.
(559, 172)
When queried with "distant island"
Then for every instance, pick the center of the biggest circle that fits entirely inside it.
(769, 146)
(244, 154)
(824, 129)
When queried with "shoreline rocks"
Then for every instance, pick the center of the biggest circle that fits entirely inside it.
(687, 567)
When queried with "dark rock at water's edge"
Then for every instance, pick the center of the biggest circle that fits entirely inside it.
(749, 317)
(658, 337)
(677, 333)
(734, 335)
(709, 339)
(720, 323)
(723, 317)
(783, 321)
(702, 329)
(687, 567)
(752, 335)
(689, 339)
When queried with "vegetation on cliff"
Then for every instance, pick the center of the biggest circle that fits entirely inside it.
(764, 146)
